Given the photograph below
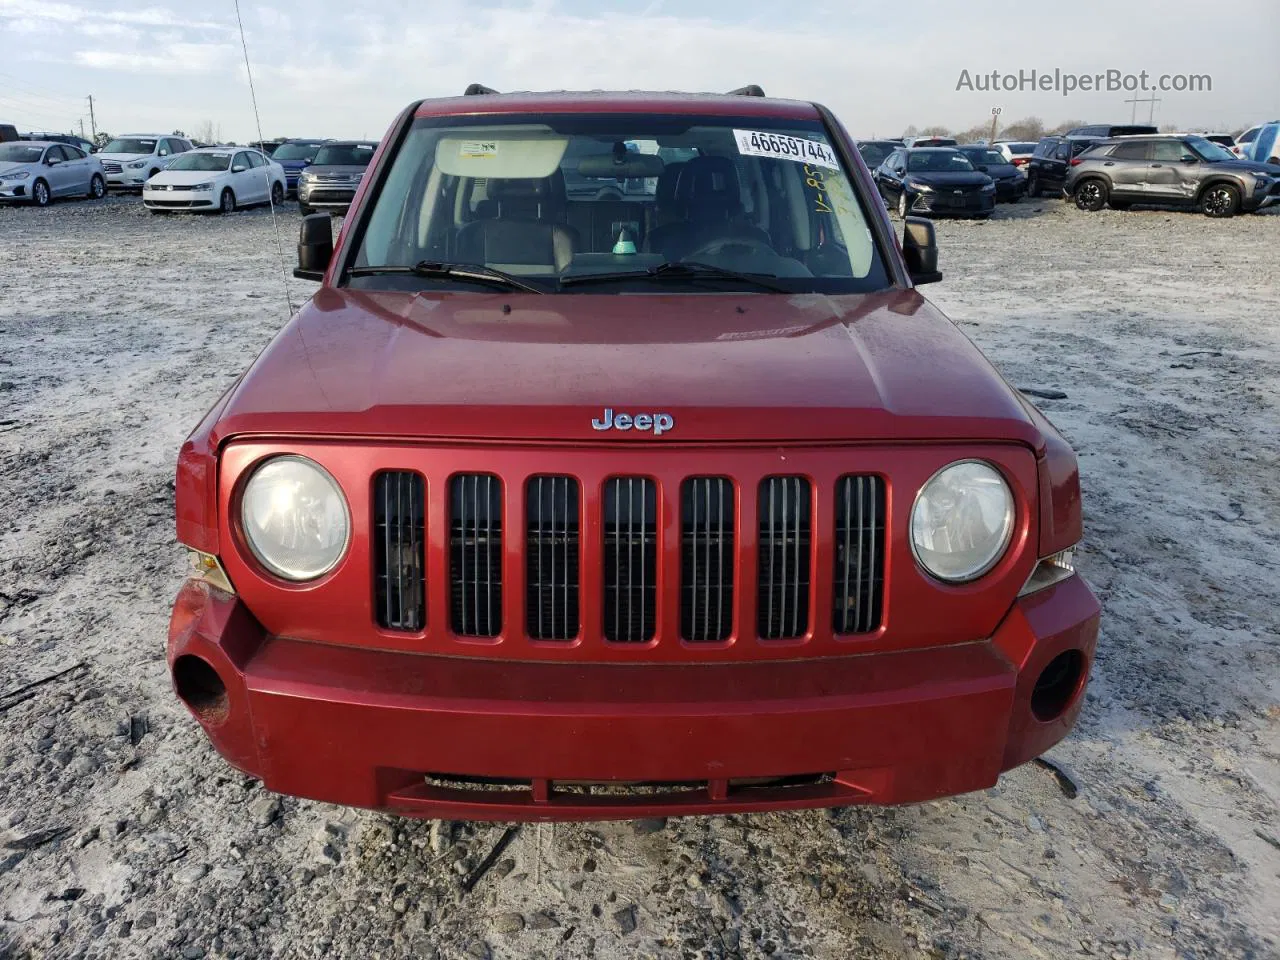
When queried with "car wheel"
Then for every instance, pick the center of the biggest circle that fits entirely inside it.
(228, 202)
(1220, 200)
(1091, 195)
(902, 204)
(277, 194)
(1033, 186)
(97, 187)
(40, 195)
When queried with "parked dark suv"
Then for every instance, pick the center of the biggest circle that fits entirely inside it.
(1182, 170)
(1103, 131)
(1051, 162)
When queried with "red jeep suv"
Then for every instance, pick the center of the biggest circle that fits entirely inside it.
(668, 496)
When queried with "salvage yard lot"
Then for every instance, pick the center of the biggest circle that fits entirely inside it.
(122, 834)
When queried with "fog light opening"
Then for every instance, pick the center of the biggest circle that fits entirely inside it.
(201, 689)
(1057, 686)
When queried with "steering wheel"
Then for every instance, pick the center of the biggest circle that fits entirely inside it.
(734, 247)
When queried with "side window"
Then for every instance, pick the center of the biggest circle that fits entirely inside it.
(1063, 151)
(1130, 151)
(73, 153)
(241, 159)
(255, 159)
(1249, 135)
(1043, 148)
(55, 153)
(1170, 151)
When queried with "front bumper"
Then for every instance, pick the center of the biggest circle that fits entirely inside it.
(1011, 190)
(465, 738)
(326, 198)
(15, 190)
(945, 203)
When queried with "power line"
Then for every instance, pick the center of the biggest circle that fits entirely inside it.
(11, 81)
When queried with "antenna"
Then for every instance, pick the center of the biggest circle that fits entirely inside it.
(275, 223)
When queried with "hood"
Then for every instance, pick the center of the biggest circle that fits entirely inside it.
(725, 367)
(1000, 171)
(959, 178)
(337, 169)
(187, 177)
(124, 157)
(8, 165)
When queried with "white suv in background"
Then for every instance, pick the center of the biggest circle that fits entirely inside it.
(132, 160)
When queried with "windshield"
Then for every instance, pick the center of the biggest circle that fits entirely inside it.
(345, 155)
(937, 161)
(20, 153)
(1210, 150)
(130, 145)
(296, 151)
(983, 155)
(873, 154)
(201, 161)
(579, 195)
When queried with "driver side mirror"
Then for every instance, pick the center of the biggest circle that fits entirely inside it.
(920, 251)
(1188, 158)
(239, 168)
(52, 161)
(315, 246)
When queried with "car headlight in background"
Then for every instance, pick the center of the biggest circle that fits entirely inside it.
(295, 518)
(16, 175)
(918, 186)
(136, 165)
(962, 521)
(207, 185)
(988, 188)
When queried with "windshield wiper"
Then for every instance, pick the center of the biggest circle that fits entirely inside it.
(680, 269)
(457, 271)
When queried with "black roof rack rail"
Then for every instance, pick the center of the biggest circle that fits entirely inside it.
(750, 90)
(477, 90)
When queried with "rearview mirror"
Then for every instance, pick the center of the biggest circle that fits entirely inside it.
(605, 165)
(920, 251)
(315, 246)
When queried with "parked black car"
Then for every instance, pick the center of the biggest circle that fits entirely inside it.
(874, 152)
(935, 181)
(8, 133)
(1104, 131)
(1181, 170)
(329, 182)
(1048, 167)
(68, 138)
(1011, 183)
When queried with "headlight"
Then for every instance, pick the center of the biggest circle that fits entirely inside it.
(17, 175)
(295, 518)
(962, 521)
(207, 185)
(137, 165)
(306, 176)
(918, 186)
(989, 188)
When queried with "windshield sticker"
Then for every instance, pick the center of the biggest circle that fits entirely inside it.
(478, 149)
(816, 182)
(763, 143)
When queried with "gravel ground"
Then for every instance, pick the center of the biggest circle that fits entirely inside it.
(123, 835)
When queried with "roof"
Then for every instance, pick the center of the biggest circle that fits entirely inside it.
(631, 101)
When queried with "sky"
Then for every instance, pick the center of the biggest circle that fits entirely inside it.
(345, 69)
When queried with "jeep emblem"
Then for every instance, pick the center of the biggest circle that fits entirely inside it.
(659, 423)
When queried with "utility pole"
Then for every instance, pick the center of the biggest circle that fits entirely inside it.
(93, 123)
(995, 118)
(82, 128)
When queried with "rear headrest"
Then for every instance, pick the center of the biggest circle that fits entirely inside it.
(519, 189)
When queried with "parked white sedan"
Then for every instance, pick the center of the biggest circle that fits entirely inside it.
(215, 178)
(37, 171)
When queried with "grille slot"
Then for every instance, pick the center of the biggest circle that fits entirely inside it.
(858, 594)
(475, 554)
(782, 599)
(398, 547)
(630, 515)
(706, 558)
(551, 558)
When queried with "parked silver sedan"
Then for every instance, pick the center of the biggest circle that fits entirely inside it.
(37, 171)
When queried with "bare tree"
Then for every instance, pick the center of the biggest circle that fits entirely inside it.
(936, 131)
(209, 132)
(1067, 125)
(974, 134)
(911, 131)
(101, 139)
(1028, 128)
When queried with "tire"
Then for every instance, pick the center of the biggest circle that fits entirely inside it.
(304, 210)
(902, 204)
(1119, 204)
(97, 187)
(1220, 200)
(227, 203)
(40, 195)
(1091, 194)
(277, 194)
(1033, 185)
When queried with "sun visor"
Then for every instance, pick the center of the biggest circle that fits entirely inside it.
(528, 158)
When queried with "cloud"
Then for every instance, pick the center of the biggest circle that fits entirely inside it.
(171, 58)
